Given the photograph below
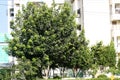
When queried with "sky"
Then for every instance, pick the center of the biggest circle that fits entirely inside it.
(3, 16)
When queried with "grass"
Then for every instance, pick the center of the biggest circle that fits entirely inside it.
(64, 79)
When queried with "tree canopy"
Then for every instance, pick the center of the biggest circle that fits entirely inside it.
(45, 37)
(40, 36)
(104, 56)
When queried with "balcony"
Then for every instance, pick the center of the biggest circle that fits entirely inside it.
(118, 48)
(116, 30)
(116, 33)
(17, 1)
(115, 16)
(36, 0)
(59, 1)
(115, 1)
(78, 20)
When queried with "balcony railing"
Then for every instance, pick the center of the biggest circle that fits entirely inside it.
(116, 30)
(115, 16)
(118, 48)
(59, 1)
(116, 27)
(17, 1)
(115, 1)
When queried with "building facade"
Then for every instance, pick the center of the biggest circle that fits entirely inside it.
(100, 18)
(115, 22)
(94, 16)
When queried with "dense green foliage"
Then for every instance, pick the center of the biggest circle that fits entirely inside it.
(103, 79)
(81, 57)
(99, 79)
(80, 54)
(102, 76)
(100, 54)
(118, 65)
(45, 37)
(5, 74)
(103, 56)
(111, 55)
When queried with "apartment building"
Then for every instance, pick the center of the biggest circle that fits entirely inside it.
(115, 22)
(77, 7)
(94, 16)
(100, 18)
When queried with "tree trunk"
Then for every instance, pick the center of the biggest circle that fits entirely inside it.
(60, 71)
(75, 72)
(53, 73)
(63, 71)
(47, 71)
(40, 72)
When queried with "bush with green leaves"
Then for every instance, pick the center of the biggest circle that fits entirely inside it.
(102, 76)
(103, 79)
(56, 77)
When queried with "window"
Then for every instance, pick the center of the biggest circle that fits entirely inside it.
(17, 5)
(12, 12)
(11, 9)
(117, 8)
(78, 11)
(117, 11)
(72, 1)
(117, 5)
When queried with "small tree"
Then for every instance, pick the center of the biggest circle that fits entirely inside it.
(104, 56)
(80, 59)
(111, 55)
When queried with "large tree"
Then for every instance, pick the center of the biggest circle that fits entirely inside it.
(39, 38)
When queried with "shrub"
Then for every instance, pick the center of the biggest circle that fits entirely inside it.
(99, 79)
(103, 79)
(102, 76)
(56, 77)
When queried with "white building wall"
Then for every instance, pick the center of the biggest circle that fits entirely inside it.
(97, 21)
